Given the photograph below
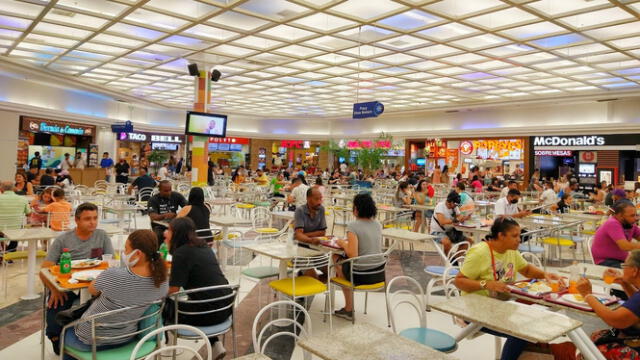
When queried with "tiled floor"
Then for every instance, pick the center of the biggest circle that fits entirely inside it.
(20, 321)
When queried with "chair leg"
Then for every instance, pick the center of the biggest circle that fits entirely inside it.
(366, 298)
(498, 342)
(353, 310)
(427, 293)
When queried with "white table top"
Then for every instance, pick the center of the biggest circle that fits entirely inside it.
(420, 207)
(520, 320)
(253, 356)
(364, 341)
(280, 251)
(221, 202)
(391, 209)
(35, 233)
(283, 214)
(122, 208)
(406, 235)
(228, 220)
(593, 272)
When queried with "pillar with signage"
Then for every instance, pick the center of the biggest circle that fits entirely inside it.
(200, 144)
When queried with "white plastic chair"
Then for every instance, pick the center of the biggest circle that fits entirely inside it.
(281, 325)
(440, 274)
(162, 330)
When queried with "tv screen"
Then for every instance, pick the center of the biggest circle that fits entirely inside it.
(204, 124)
(587, 168)
(421, 161)
(164, 146)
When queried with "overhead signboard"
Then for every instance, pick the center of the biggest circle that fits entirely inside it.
(565, 153)
(127, 127)
(367, 109)
(55, 127)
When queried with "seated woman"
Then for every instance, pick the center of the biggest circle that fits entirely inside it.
(403, 195)
(38, 216)
(22, 186)
(198, 212)
(142, 280)
(490, 265)
(623, 341)
(564, 205)
(194, 265)
(364, 237)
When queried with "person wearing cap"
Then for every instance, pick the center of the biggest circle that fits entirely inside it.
(613, 239)
(508, 206)
(445, 215)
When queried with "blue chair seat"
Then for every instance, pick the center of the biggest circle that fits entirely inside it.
(432, 338)
(209, 330)
(119, 353)
(536, 249)
(439, 270)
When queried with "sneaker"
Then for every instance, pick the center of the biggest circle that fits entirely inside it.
(218, 350)
(344, 314)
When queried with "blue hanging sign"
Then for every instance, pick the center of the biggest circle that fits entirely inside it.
(367, 109)
(127, 127)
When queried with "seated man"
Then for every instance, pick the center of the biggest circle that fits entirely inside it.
(59, 211)
(508, 206)
(445, 216)
(142, 181)
(163, 207)
(298, 193)
(512, 185)
(310, 222)
(261, 178)
(613, 239)
(86, 241)
(13, 209)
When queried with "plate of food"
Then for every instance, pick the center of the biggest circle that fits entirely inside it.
(85, 263)
(86, 276)
(533, 288)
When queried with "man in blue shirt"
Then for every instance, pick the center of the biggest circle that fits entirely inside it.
(106, 163)
(143, 181)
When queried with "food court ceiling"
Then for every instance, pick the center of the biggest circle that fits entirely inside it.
(318, 57)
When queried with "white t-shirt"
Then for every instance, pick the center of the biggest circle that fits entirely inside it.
(162, 173)
(504, 207)
(549, 197)
(343, 167)
(504, 192)
(66, 164)
(300, 195)
(442, 208)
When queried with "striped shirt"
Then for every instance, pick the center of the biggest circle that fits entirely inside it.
(13, 209)
(119, 288)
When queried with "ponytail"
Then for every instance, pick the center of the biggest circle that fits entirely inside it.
(146, 242)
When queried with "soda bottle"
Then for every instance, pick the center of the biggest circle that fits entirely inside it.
(573, 278)
(164, 250)
(65, 261)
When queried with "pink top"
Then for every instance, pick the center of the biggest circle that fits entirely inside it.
(604, 242)
(477, 186)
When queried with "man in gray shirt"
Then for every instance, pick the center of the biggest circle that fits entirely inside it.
(309, 220)
(83, 242)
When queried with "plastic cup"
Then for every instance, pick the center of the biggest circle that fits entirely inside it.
(573, 288)
(554, 285)
(608, 279)
(107, 257)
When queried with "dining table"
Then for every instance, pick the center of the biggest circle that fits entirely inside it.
(225, 222)
(31, 236)
(523, 321)
(365, 341)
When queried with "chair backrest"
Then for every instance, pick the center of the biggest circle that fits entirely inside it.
(532, 258)
(181, 300)
(151, 356)
(412, 295)
(9, 222)
(310, 262)
(260, 217)
(206, 234)
(145, 324)
(458, 252)
(60, 221)
(589, 244)
(144, 194)
(373, 264)
(299, 329)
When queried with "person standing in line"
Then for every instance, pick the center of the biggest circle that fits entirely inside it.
(66, 162)
(122, 171)
(79, 162)
(107, 164)
(36, 161)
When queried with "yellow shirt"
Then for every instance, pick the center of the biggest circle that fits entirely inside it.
(477, 265)
(262, 180)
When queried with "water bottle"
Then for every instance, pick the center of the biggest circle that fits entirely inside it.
(291, 245)
(65, 261)
(164, 250)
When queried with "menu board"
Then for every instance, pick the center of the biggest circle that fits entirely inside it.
(496, 149)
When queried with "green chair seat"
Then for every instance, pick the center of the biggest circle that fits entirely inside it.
(261, 272)
(119, 353)
(262, 203)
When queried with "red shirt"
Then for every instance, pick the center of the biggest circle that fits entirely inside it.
(430, 191)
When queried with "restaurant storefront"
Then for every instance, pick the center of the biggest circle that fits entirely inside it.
(393, 152)
(52, 139)
(589, 158)
(505, 157)
(294, 154)
(135, 147)
(229, 152)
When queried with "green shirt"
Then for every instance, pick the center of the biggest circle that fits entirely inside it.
(477, 265)
(13, 209)
(276, 186)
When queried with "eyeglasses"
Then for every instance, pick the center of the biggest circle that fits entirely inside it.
(625, 265)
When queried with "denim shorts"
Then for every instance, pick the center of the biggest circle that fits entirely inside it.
(439, 235)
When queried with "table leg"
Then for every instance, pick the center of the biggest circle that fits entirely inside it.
(223, 248)
(43, 327)
(585, 345)
(468, 330)
(282, 310)
(31, 271)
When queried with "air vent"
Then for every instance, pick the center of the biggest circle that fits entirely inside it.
(452, 111)
(63, 12)
(399, 43)
(285, 14)
(606, 100)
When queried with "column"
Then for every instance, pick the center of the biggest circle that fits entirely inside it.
(200, 144)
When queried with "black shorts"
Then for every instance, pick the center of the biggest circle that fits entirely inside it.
(363, 279)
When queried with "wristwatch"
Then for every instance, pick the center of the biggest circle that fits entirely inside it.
(483, 284)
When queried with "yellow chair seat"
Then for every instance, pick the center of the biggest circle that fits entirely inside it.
(395, 226)
(558, 241)
(266, 230)
(15, 255)
(230, 236)
(346, 283)
(245, 206)
(304, 286)
(589, 232)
